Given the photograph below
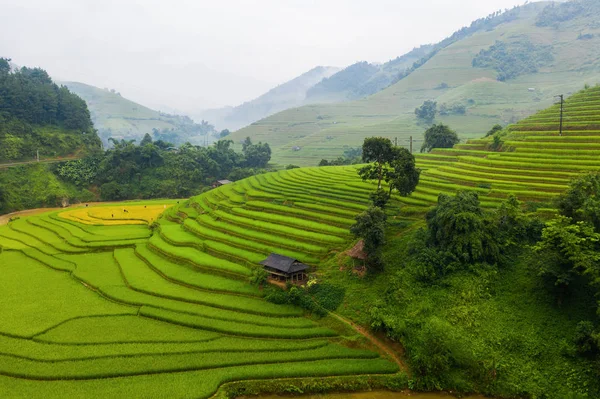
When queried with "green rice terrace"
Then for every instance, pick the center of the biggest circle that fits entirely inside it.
(93, 300)
(529, 159)
(155, 298)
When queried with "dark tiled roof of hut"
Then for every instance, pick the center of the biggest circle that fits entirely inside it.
(284, 264)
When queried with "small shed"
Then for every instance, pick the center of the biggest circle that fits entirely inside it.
(282, 268)
(220, 183)
(358, 252)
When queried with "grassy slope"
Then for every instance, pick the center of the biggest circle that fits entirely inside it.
(323, 131)
(125, 118)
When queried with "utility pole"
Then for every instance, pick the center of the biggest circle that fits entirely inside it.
(411, 141)
(38, 155)
(562, 108)
(396, 142)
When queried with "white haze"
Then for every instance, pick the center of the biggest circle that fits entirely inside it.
(193, 54)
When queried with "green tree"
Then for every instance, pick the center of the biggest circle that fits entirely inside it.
(380, 151)
(427, 111)
(402, 174)
(459, 227)
(379, 198)
(246, 143)
(568, 249)
(370, 226)
(439, 136)
(257, 155)
(495, 129)
(581, 202)
(146, 140)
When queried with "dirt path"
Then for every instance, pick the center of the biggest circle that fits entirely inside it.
(376, 341)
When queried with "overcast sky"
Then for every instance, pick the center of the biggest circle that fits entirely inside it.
(194, 54)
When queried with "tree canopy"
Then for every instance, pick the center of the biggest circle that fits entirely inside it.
(257, 155)
(439, 136)
(370, 226)
(36, 114)
(427, 111)
(380, 151)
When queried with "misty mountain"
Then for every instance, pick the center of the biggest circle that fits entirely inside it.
(363, 79)
(497, 70)
(287, 95)
(117, 117)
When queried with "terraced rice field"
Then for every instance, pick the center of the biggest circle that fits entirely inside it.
(101, 306)
(534, 162)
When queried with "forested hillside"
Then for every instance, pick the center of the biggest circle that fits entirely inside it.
(122, 119)
(498, 70)
(38, 115)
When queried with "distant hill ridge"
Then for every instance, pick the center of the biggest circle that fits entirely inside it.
(287, 95)
(117, 117)
(498, 70)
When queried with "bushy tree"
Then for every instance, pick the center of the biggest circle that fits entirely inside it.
(370, 226)
(402, 174)
(458, 226)
(427, 111)
(379, 151)
(439, 136)
(566, 250)
(495, 129)
(257, 155)
(379, 198)
(581, 202)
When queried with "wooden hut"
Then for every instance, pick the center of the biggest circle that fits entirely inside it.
(282, 268)
(358, 252)
(220, 183)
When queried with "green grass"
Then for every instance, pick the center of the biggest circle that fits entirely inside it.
(120, 330)
(205, 383)
(187, 275)
(293, 222)
(236, 328)
(277, 228)
(35, 298)
(198, 258)
(142, 278)
(260, 242)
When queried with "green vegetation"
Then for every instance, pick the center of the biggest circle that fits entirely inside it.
(177, 300)
(557, 14)
(513, 59)
(439, 136)
(37, 115)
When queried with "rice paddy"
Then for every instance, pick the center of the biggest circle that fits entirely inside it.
(534, 162)
(153, 299)
(135, 304)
